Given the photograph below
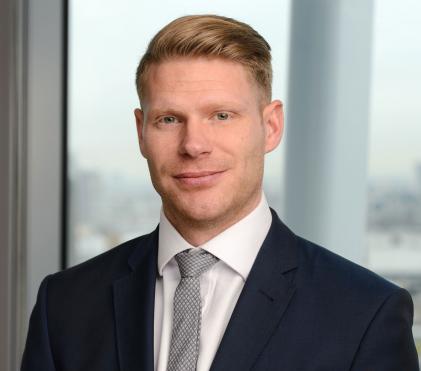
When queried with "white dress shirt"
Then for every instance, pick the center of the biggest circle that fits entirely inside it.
(220, 286)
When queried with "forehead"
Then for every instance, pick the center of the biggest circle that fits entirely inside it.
(199, 78)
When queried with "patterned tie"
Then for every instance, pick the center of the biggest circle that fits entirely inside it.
(184, 348)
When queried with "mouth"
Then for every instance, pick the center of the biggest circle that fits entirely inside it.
(199, 178)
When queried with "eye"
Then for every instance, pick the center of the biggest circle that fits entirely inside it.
(168, 120)
(222, 116)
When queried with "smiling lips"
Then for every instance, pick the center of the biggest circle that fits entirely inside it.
(200, 178)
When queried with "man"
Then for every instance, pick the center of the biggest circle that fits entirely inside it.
(222, 284)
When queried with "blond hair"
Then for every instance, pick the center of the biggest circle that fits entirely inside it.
(210, 36)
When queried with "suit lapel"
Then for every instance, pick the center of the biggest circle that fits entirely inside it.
(262, 303)
(134, 297)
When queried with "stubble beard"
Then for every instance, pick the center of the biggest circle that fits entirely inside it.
(207, 217)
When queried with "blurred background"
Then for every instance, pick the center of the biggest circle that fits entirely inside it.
(73, 184)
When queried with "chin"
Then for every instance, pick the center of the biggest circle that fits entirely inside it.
(206, 208)
(203, 211)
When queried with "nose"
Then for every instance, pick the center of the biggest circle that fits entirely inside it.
(196, 139)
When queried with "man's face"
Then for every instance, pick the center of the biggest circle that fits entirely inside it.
(204, 133)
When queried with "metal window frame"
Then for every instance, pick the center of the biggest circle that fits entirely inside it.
(33, 46)
(46, 68)
(12, 161)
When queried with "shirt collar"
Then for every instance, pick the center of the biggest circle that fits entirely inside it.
(237, 246)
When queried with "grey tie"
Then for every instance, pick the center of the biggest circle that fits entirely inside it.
(184, 347)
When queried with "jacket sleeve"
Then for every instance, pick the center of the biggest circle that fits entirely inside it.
(388, 343)
(37, 355)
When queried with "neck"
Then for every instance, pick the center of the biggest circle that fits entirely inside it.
(198, 232)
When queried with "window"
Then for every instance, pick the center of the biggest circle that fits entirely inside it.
(110, 195)
(394, 194)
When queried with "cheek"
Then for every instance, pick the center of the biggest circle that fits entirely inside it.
(245, 145)
(158, 166)
(253, 150)
(157, 162)
(252, 144)
(158, 150)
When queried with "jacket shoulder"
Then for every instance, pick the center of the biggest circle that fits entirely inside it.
(333, 273)
(102, 269)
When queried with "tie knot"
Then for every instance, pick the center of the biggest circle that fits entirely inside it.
(193, 265)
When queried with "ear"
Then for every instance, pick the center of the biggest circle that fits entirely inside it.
(139, 115)
(273, 116)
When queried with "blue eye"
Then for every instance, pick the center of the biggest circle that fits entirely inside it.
(222, 116)
(168, 119)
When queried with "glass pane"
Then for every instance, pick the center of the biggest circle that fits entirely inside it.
(110, 195)
(394, 197)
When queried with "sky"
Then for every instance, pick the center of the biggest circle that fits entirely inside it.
(107, 39)
(395, 125)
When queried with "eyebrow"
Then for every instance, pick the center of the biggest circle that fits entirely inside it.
(210, 106)
(224, 105)
(162, 111)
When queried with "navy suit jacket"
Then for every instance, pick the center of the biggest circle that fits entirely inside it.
(302, 308)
